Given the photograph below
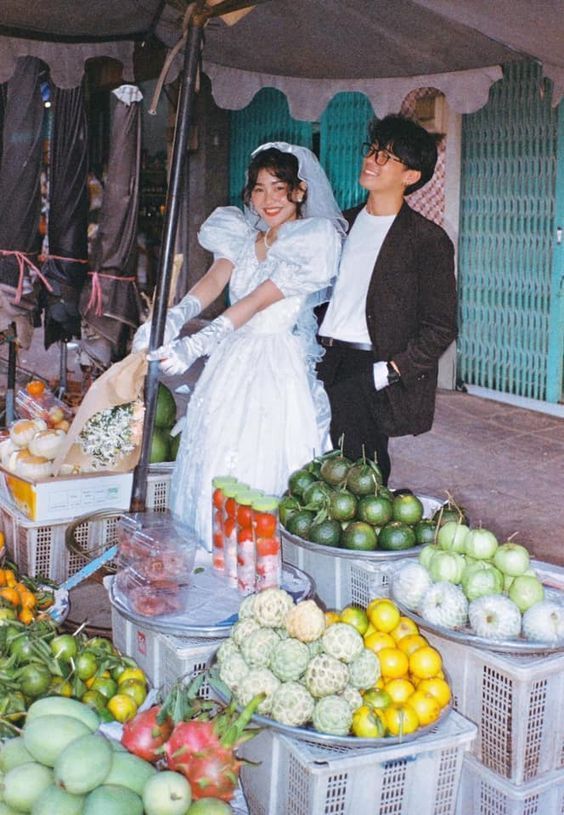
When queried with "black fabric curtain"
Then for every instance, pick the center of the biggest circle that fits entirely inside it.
(110, 302)
(20, 201)
(68, 216)
(21, 163)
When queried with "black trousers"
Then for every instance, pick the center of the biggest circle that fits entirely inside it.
(347, 376)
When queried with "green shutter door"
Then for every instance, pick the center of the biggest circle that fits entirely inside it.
(506, 244)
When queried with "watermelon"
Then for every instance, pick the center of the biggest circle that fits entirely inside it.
(166, 408)
(160, 446)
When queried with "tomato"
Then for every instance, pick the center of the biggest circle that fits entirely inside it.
(22, 648)
(244, 535)
(229, 527)
(34, 680)
(86, 665)
(265, 524)
(217, 499)
(105, 685)
(267, 546)
(122, 707)
(218, 540)
(231, 507)
(244, 515)
(64, 647)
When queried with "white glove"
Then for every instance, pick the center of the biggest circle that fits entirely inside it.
(188, 308)
(176, 357)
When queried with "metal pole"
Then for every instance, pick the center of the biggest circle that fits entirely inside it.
(183, 122)
(11, 378)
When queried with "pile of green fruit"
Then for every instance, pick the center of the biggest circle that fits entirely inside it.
(164, 447)
(37, 661)
(63, 765)
(335, 502)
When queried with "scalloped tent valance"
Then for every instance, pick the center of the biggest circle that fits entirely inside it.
(309, 49)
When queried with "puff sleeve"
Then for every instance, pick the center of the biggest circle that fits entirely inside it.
(305, 256)
(225, 233)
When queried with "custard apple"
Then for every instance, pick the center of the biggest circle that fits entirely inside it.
(305, 621)
(258, 646)
(353, 697)
(326, 675)
(342, 641)
(292, 704)
(289, 659)
(226, 648)
(233, 670)
(258, 680)
(445, 604)
(247, 606)
(332, 714)
(243, 629)
(364, 670)
(271, 607)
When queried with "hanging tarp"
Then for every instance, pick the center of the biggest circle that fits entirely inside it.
(20, 199)
(110, 304)
(66, 263)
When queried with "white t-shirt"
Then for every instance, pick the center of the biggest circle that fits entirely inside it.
(345, 318)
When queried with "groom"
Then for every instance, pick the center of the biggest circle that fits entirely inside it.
(393, 309)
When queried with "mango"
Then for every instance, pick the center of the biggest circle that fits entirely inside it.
(47, 736)
(24, 784)
(84, 764)
(55, 801)
(130, 771)
(14, 753)
(109, 799)
(63, 706)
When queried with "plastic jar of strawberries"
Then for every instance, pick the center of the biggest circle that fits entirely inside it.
(219, 516)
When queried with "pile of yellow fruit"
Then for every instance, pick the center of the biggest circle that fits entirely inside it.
(412, 690)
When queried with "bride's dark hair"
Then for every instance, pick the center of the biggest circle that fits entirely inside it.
(283, 165)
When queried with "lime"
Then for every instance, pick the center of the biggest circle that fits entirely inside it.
(342, 506)
(395, 536)
(359, 536)
(366, 724)
(384, 492)
(327, 533)
(298, 482)
(299, 523)
(355, 616)
(450, 512)
(377, 698)
(407, 508)
(334, 470)
(316, 495)
(94, 699)
(287, 507)
(375, 510)
(425, 531)
(364, 478)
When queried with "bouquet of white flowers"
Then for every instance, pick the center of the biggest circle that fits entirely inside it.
(111, 434)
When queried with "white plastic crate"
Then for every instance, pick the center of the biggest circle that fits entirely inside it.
(302, 778)
(164, 659)
(517, 703)
(482, 792)
(39, 549)
(341, 581)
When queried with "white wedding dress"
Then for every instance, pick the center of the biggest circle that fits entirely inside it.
(258, 412)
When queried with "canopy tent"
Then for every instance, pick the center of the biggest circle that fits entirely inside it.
(309, 49)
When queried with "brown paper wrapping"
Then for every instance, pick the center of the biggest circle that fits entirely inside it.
(121, 383)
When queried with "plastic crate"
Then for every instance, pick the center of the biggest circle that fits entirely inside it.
(39, 549)
(341, 581)
(301, 778)
(164, 659)
(482, 792)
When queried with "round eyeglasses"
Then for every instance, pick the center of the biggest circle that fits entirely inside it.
(381, 156)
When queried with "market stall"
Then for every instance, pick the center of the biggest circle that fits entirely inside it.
(367, 698)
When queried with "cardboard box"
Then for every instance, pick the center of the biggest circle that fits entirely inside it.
(61, 498)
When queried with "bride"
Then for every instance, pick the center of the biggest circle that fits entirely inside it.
(258, 412)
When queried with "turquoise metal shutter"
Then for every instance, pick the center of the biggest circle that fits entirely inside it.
(506, 238)
(342, 130)
(267, 118)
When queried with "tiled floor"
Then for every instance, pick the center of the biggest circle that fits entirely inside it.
(504, 464)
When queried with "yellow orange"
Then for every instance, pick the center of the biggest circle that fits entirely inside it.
(356, 617)
(399, 689)
(384, 615)
(405, 627)
(331, 617)
(393, 663)
(425, 662)
(427, 707)
(436, 687)
(411, 643)
(378, 640)
(401, 719)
